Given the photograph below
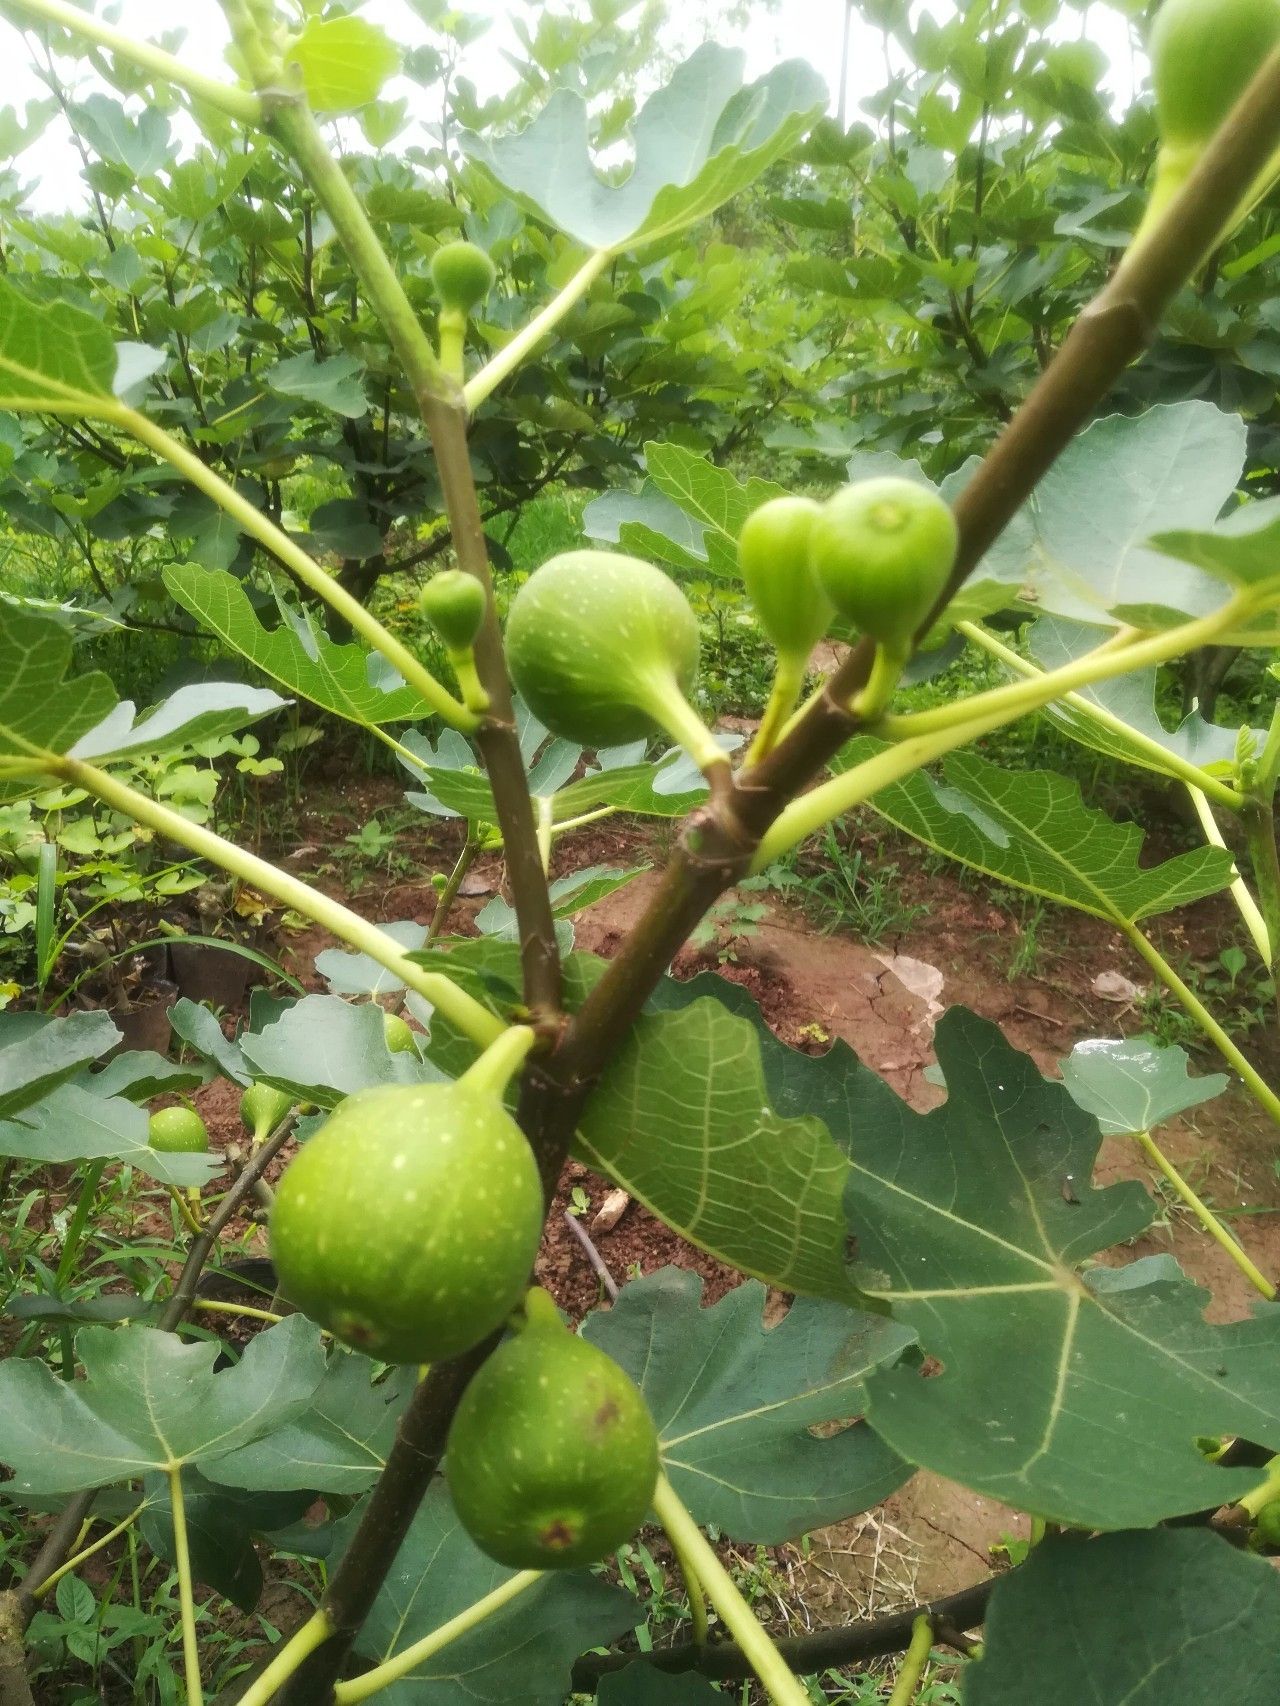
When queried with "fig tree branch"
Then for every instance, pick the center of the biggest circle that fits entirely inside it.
(849, 1644)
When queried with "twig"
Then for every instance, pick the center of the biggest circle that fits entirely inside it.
(805, 1654)
(593, 1255)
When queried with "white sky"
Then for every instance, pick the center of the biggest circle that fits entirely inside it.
(807, 28)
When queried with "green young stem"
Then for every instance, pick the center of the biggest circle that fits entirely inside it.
(672, 711)
(451, 333)
(1260, 837)
(913, 1663)
(458, 1007)
(304, 1641)
(473, 693)
(1265, 1492)
(252, 521)
(1255, 923)
(1257, 1086)
(1113, 657)
(955, 726)
(500, 1062)
(402, 1664)
(1171, 762)
(449, 893)
(737, 1616)
(870, 701)
(788, 684)
(521, 346)
(75, 1562)
(1204, 1214)
(441, 403)
(692, 1586)
(245, 1310)
(226, 97)
(186, 1597)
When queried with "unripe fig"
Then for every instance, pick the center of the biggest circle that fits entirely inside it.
(1203, 54)
(262, 1107)
(882, 550)
(552, 1457)
(399, 1035)
(407, 1225)
(462, 274)
(773, 554)
(602, 648)
(454, 603)
(178, 1130)
(1266, 1525)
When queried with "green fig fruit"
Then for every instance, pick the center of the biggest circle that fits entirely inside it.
(399, 1035)
(602, 648)
(774, 556)
(262, 1107)
(552, 1457)
(882, 551)
(407, 1225)
(454, 603)
(178, 1131)
(462, 274)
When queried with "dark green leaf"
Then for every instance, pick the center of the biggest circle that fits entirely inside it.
(1175, 1616)
(734, 1403)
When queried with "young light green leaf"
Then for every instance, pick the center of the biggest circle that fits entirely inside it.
(688, 514)
(1033, 829)
(1053, 641)
(734, 1404)
(197, 1025)
(338, 1444)
(203, 711)
(73, 1123)
(140, 1074)
(38, 1054)
(1173, 1615)
(698, 141)
(323, 1049)
(357, 974)
(40, 709)
(1082, 545)
(1136, 1084)
(684, 1120)
(148, 1402)
(1075, 1395)
(333, 384)
(344, 62)
(52, 352)
(525, 1652)
(1243, 549)
(296, 653)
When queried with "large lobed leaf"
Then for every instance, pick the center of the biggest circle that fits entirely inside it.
(1075, 1392)
(1169, 1618)
(525, 1652)
(296, 653)
(1033, 829)
(697, 142)
(148, 1402)
(734, 1404)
